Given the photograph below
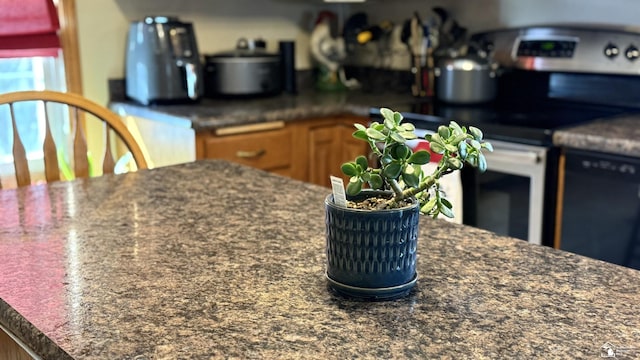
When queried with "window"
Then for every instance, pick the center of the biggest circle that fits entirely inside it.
(27, 73)
(30, 59)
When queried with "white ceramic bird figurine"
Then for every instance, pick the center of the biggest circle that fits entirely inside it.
(326, 49)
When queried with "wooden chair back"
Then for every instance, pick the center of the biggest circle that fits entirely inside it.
(78, 107)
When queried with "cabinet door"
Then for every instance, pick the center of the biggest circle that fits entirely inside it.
(10, 350)
(329, 147)
(324, 151)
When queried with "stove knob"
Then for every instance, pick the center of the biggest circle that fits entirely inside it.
(611, 50)
(632, 52)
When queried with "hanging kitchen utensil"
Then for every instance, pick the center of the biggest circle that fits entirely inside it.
(421, 50)
(415, 41)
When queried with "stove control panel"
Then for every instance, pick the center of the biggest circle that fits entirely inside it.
(586, 49)
(551, 48)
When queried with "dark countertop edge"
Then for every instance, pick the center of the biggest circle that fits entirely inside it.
(202, 122)
(128, 109)
(198, 122)
(215, 113)
(28, 333)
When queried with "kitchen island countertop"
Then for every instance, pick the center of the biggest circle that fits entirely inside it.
(215, 260)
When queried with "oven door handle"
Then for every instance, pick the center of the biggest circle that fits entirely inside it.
(520, 156)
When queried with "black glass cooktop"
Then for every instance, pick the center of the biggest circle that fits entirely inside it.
(528, 122)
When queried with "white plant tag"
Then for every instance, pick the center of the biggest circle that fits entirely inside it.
(337, 186)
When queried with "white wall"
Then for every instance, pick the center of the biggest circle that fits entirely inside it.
(479, 15)
(103, 24)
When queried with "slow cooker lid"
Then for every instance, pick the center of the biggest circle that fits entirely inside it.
(243, 53)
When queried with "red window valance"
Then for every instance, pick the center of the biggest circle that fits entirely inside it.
(28, 28)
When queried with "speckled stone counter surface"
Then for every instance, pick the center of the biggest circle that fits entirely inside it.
(618, 135)
(217, 113)
(213, 260)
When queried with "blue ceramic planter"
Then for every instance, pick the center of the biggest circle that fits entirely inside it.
(371, 254)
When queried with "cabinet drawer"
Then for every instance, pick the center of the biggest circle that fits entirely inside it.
(267, 150)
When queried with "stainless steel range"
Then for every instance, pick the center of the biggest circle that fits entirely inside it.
(551, 77)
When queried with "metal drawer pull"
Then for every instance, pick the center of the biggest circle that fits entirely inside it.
(250, 154)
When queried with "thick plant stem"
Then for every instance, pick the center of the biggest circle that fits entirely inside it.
(396, 188)
(425, 184)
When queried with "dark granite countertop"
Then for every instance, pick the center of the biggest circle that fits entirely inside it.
(205, 260)
(618, 135)
(217, 113)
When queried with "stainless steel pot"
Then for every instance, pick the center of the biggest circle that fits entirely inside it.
(465, 80)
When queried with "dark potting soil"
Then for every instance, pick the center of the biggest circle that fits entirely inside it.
(376, 203)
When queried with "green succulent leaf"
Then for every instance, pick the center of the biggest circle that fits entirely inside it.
(398, 138)
(429, 205)
(450, 148)
(354, 186)
(349, 169)
(386, 113)
(482, 163)
(401, 152)
(462, 149)
(392, 170)
(456, 140)
(362, 162)
(375, 134)
(410, 176)
(446, 211)
(475, 144)
(436, 147)
(389, 124)
(408, 127)
(487, 146)
(379, 127)
(386, 159)
(436, 138)
(419, 157)
(472, 159)
(444, 132)
(477, 133)
(397, 117)
(360, 134)
(360, 126)
(408, 135)
(456, 128)
(454, 163)
(375, 181)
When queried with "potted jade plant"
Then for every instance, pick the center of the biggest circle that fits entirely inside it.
(371, 236)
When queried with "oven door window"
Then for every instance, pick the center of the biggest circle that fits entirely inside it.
(508, 198)
(503, 204)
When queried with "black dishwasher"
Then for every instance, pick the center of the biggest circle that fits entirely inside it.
(601, 207)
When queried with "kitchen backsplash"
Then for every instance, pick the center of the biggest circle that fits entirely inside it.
(220, 23)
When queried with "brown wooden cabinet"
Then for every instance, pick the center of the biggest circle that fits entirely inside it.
(308, 150)
(10, 350)
(267, 150)
(330, 145)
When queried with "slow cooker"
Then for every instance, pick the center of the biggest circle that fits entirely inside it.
(245, 71)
